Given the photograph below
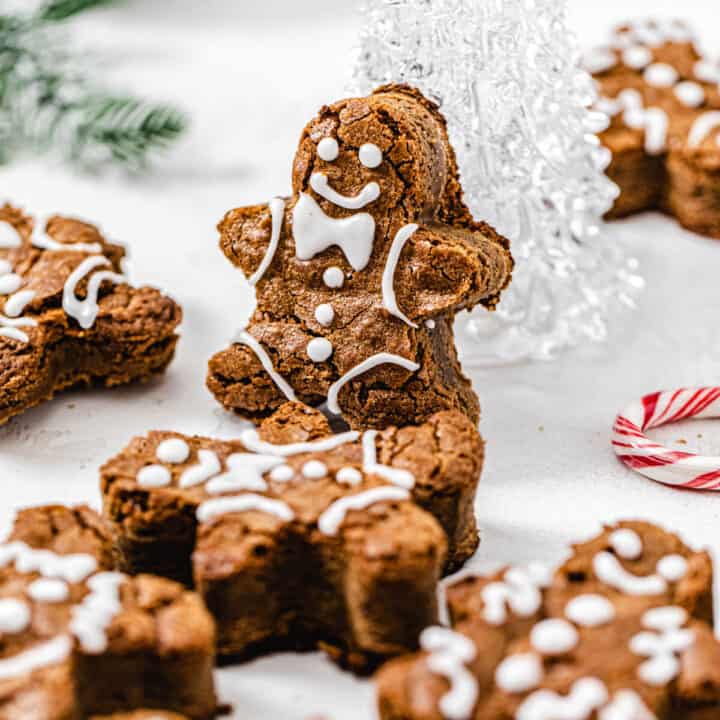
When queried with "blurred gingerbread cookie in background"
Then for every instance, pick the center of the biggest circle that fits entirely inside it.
(68, 315)
(622, 631)
(662, 99)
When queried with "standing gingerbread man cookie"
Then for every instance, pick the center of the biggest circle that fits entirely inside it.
(360, 273)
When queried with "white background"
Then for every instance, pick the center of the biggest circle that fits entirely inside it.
(252, 74)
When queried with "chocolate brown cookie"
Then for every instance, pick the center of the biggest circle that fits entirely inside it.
(663, 101)
(68, 316)
(296, 537)
(360, 273)
(79, 640)
(619, 633)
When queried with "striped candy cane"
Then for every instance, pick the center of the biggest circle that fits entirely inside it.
(671, 467)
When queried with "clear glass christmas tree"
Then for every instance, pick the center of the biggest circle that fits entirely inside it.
(506, 75)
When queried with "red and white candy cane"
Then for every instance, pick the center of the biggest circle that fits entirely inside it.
(671, 467)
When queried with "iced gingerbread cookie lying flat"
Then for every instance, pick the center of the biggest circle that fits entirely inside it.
(620, 632)
(359, 274)
(663, 101)
(296, 537)
(80, 640)
(68, 316)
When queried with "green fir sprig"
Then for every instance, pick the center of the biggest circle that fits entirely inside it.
(48, 104)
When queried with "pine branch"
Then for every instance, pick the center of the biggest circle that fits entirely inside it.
(126, 129)
(58, 10)
(49, 104)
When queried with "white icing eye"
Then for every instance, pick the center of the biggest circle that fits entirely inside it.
(333, 277)
(626, 543)
(370, 155)
(173, 451)
(328, 149)
(673, 567)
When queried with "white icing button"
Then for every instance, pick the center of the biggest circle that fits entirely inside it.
(154, 476)
(673, 567)
(5, 266)
(328, 149)
(314, 469)
(637, 57)
(10, 283)
(519, 673)
(430, 324)
(173, 450)
(661, 75)
(282, 473)
(665, 618)
(334, 277)
(626, 543)
(319, 349)
(349, 476)
(554, 636)
(324, 314)
(690, 94)
(49, 590)
(370, 155)
(14, 616)
(590, 610)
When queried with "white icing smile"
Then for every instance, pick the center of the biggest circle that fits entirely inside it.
(321, 185)
(315, 232)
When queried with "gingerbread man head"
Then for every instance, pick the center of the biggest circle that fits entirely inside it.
(360, 273)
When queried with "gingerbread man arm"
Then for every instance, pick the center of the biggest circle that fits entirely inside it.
(247, 238)
(447, 269)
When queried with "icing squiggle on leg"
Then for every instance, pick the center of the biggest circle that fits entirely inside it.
(371, 362)
(244, 338)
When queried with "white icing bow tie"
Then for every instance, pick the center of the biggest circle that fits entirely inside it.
(314, 232)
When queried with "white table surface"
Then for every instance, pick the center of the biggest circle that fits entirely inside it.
(252, 74)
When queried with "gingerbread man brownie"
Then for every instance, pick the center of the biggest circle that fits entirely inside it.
(80, 640)
(296, 537)
(663, 100)
(68, 316)
(618, 633)
(359, 274)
